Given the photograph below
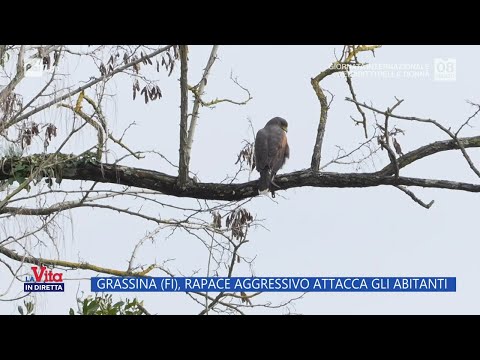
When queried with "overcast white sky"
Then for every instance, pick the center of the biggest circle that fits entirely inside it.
(311, 231)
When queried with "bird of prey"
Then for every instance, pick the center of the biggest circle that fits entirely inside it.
(271, 152)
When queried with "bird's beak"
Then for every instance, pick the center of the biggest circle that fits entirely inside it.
(285, 129)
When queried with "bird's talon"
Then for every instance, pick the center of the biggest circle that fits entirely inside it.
(274, 184)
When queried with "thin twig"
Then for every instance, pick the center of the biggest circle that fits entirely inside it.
(359, 109)
(414, 198)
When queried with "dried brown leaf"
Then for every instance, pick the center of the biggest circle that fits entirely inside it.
(56, 57)
(46, 62)
(144, 60)
(153, 93)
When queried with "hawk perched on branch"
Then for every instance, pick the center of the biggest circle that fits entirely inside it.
(271, 152)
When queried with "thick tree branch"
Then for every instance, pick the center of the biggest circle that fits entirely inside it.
(428, 150)
(317, 149)
(78, 169)
(230, 271)
(183, 152)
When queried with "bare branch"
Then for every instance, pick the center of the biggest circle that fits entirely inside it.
(34, 174)
(77, 169)
(347, 58)
(230, 270)
(430, 121)
(73, 205)
(428, 150)
(317, 149)
(100, 135)
(72, 265)
(469, 118)
(414, 198)
(359, 109)
(89, 84)
(18, 76)
(183, 151)
(217, 101)
(196, 105)
(339, 157)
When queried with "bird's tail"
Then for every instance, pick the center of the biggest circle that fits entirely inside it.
(264, 181)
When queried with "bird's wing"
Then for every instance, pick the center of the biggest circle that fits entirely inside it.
(278, 149)
(261, 149)
(287, 148)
